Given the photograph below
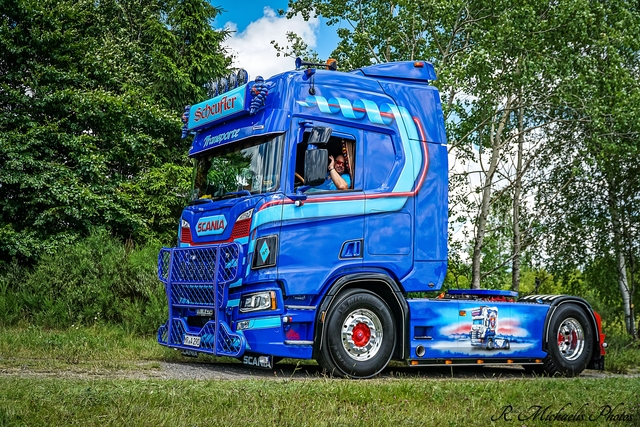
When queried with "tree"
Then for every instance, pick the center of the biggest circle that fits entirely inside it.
(596, 220)
(90, 99)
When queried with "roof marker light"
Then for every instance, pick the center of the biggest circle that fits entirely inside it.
(418, 64)
(242, 77)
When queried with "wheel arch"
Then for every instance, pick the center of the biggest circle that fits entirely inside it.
(585, 307)
(378, 283)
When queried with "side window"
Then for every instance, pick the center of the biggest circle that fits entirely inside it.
(380, 157)
(343, 151)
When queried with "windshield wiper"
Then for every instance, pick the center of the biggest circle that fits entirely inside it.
(238, 193)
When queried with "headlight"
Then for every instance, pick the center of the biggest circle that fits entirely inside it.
(245, 215)
(258, 301)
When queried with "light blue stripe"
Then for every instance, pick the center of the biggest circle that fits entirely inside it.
(323, 105)
(414, 142)
(386, 204)
(407, 176)
(324, 210)
(233, 303)
(236, 284)
(265, 322)
(373, 112)
(346, 108)
(265, 216)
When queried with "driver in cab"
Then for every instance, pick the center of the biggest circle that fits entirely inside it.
(337, 176)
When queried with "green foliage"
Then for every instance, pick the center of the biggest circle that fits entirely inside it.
(96, 280)
(295, 47)
(90, 99)
(623, 352)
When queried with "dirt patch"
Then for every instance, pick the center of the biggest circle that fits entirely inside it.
(282, 371)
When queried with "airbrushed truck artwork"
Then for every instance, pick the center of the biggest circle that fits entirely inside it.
(272, 261)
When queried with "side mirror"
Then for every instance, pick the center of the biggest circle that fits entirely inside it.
(315, 166)
(319, 135)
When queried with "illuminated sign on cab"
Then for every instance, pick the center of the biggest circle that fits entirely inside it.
(217, 108)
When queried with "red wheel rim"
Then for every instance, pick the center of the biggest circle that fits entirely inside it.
(361, 335)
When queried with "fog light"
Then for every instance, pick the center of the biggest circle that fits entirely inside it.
(240, 326)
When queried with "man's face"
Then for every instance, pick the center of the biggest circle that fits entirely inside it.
(338, 164)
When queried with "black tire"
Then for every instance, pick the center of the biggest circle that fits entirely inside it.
(359, 335)
(490, 344)
(507, 345)
(570, 357)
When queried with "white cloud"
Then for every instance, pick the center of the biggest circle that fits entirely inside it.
(253, 49)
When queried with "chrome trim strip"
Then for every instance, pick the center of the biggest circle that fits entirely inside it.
(300, 307)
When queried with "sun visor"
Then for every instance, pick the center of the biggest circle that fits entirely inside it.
(405, 70)
(266, 122)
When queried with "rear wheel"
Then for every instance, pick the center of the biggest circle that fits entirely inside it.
(571, 346)
(359, 335)
(490, 344)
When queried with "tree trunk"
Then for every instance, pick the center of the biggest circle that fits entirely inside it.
(517, 246)
(481, 227)
(621, 264)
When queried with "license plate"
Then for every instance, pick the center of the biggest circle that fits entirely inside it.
(204, 312)
(192, 341)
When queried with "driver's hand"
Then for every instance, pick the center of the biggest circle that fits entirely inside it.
(330, 163)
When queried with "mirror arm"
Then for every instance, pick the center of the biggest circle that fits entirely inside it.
(299, 197)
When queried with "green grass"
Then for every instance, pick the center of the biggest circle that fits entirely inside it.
(96, 349)
(406, 402)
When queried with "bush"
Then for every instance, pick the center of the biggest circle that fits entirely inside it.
(96, 280)
(623, 351)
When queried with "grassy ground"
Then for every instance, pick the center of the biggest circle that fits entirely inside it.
(406, 402)
(106, 399)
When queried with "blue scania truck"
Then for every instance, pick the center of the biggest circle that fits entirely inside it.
(265, 268)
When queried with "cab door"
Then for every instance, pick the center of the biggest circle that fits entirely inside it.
(323, 236)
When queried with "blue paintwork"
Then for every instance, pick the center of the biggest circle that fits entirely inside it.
(448, 324)
(393, 222)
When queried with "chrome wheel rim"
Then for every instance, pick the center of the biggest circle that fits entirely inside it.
(362, 334)
(570, 339)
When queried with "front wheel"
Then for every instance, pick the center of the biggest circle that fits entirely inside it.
(359, 336)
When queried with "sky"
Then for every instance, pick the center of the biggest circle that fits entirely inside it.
(255, 23)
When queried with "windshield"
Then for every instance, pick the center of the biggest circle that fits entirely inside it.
(254, 166)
